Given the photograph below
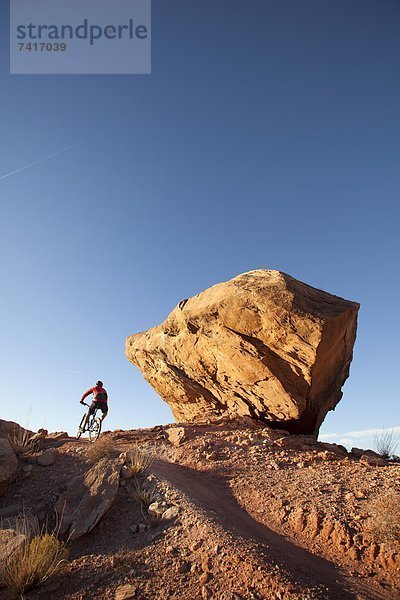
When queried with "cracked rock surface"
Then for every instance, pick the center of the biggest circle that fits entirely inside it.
(262, 345)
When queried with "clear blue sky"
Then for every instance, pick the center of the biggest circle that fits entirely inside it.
(267, 136)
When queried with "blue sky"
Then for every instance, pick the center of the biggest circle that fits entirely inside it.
(267, 136)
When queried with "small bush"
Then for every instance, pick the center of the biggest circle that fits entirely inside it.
(138, 460)
(385, 517)
(143, 496)
(33, 561)
(101, 448)
(386, 442)
(21, 443)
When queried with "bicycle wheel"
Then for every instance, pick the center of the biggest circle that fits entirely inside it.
(80, 428)
(94, 429)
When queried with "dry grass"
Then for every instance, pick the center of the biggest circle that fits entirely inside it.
(33, 561)
(386, 442)
(143, 496)
(101, 448)
(21, 443)
(139, 460)
(385, 517)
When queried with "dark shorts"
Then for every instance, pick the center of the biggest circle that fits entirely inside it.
(101, 405)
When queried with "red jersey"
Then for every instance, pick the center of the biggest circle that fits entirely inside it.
(96, 390)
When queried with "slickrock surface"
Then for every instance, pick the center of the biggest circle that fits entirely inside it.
(262, 345)
(230, 511)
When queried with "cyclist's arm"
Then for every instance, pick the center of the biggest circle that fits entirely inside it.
(86, 394)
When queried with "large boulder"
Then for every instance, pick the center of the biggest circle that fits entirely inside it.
(8, 465)
(262, 344)
(88, 498)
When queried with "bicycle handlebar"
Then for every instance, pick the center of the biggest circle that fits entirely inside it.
(85, 404)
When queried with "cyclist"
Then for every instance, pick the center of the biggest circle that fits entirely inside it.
(100, 400)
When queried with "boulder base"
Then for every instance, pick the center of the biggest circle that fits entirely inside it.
(262, 345)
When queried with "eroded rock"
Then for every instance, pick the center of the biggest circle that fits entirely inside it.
(176, 435)
(262, 345)
(88, 498)
(9, 429)
(8, 465)
(47, 458)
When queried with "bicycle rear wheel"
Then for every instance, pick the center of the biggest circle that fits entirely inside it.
(95, 429)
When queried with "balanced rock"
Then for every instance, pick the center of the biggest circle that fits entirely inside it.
(262, 345)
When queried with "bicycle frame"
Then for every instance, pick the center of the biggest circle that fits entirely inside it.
(91, 424)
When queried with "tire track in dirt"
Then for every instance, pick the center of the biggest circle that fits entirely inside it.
(213, 495)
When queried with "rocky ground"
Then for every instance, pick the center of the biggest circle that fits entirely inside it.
(225, 512)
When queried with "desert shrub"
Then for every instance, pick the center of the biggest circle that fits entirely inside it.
(101, 448)
(385, 517)
(145, 497)
(21, 443)
(33, 561)
(386, 442)
(139, 460)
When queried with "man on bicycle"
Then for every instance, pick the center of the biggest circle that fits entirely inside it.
(100, 399)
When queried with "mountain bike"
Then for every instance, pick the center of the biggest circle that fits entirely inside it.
(93, 425)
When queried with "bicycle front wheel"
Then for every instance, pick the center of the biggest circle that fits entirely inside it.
(80, 428)
(95, 429)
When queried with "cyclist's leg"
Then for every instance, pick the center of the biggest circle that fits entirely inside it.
(90, 412)
(104, 409)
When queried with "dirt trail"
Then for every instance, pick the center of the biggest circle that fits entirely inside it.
(212, 494)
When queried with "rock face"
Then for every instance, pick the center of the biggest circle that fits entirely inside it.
(9, 429)
(262, 345)
(8, 465)
(88, 498)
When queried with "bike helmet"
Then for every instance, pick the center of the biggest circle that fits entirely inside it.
(99, 383)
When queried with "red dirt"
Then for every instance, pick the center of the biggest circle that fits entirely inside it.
(256, 520)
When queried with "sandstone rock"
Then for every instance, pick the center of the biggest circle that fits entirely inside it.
(47, 458)
(171, 513)
(204, 578)
(176, 435)
(212, 456)
(88, 498)
(373, 461)
(335, 448)
(262, 345)
(9, 429)
(297, 442)
(125, 592)
(8, 465)
(156, 509)
(184, 567)
(38, 437)
(56, 436)
(126, 472)
(196, 545)
(358, 452)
